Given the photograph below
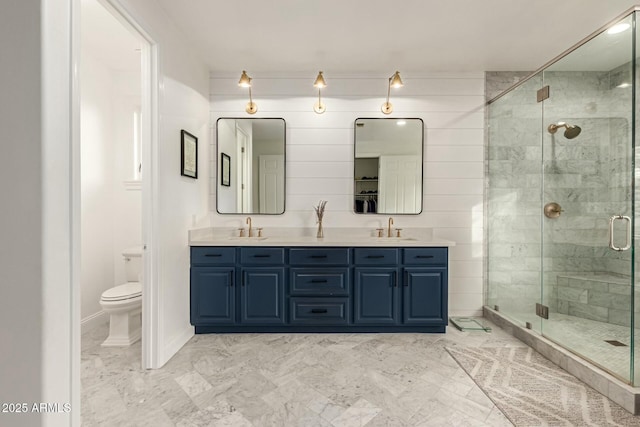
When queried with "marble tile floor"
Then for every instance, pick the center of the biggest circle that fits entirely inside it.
(302, 380)
(588, 338)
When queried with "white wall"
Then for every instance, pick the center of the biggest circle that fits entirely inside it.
(180, 202)
(97, 133)
(110, 210)
(127, 198)
(320, 157)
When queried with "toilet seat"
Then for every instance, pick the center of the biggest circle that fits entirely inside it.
(123, 292)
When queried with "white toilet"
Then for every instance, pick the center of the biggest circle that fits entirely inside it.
(123, 303)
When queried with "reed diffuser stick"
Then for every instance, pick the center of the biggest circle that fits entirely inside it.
(320, 214)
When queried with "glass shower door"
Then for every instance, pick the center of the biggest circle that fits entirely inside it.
(587, 203)
(513, 200)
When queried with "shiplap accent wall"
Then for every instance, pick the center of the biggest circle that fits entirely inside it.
(319, 157)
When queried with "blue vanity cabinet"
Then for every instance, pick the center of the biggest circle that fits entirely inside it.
(424, 296)
(319, 289)
(319, 311)
(212, 295)
(213, 288)
(425, 286)
(262, 295)
(319, 286)
(376, 294)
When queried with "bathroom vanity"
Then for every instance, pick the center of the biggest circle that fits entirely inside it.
(319, 285)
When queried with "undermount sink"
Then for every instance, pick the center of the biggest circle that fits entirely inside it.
(247, 238)
(395, 239)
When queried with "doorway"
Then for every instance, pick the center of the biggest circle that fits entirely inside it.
(117, 115)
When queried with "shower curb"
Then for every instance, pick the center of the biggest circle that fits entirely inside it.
(623, 394)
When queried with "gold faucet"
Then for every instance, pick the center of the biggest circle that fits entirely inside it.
(249, 222)
(389, 229)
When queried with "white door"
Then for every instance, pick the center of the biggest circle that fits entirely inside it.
(399, 185)
(271, 183)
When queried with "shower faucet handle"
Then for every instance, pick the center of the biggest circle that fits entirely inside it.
(552, 210)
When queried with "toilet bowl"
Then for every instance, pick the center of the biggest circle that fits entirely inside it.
(123, 303)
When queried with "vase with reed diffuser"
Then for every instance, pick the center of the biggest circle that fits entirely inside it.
(319, 215)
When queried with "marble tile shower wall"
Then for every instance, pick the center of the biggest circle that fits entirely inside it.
(589, 176)
(320, 157)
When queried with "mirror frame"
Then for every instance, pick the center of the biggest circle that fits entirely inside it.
(422, 150)
(218, 170)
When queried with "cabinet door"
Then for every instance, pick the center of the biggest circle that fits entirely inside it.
(262, 294)
(425, 296)
(212, 295)
(376, 296)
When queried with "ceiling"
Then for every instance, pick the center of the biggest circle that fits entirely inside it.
(376, 36)
(368, 36)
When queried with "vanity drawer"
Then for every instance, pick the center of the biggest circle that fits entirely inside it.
(319, 311)
(327, 281)
(436, 257)
(375, 256)
(208, 255)
(319, 256)
(262, 256)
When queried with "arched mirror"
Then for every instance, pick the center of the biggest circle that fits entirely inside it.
(388, 166)
(250, 176)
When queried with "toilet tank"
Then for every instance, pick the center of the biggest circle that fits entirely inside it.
(133, 263)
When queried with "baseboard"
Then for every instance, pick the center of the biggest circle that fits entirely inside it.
(623, 394)
(176, 344)
(92, 321)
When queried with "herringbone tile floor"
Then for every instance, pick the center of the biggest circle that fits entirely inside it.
(279, 380)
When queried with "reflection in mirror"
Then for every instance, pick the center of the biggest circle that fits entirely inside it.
(251, 166)
(388, 166)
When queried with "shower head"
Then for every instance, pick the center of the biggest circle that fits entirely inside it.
(571, 131)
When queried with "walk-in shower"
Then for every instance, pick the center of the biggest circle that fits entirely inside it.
(560, 205)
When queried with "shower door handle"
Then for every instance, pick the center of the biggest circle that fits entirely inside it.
(627, 244)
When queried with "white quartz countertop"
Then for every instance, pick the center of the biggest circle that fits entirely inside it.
(416, 237)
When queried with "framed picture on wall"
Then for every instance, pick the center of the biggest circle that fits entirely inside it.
(225, 170)
(188, 155)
